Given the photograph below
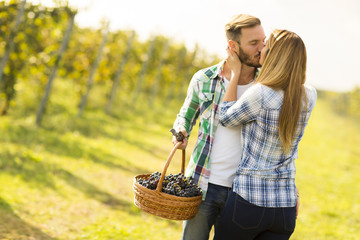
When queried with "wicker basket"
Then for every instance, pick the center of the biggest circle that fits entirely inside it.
(162, 204)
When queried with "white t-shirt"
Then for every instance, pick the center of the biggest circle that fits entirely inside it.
(226, 150)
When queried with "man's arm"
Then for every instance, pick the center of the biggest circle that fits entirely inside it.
(189, 112)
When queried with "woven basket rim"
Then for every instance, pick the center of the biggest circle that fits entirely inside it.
(163, 204)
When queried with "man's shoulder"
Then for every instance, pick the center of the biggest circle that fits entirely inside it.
(209, 73)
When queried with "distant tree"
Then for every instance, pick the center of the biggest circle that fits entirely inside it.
(9, 47)
(143, 70)
(93, 70)
(119, 72)
(159, 71)
(46, 95)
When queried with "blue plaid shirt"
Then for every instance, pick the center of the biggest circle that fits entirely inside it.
(266, 175)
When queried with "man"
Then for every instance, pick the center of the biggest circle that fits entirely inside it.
(216, 155)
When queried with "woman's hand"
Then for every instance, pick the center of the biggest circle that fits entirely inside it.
(233, 63)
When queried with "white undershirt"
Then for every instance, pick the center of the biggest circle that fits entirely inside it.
(226, 150)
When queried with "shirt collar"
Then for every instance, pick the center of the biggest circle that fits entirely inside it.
(219, 70)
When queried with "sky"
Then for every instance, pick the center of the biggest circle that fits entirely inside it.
(329, 28)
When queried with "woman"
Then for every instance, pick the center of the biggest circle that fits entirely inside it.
(273, 114)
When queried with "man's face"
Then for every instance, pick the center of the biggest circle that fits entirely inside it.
(251, 43)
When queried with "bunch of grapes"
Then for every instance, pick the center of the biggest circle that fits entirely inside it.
(177, 184)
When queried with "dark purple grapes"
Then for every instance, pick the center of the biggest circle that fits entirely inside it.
(177, 184)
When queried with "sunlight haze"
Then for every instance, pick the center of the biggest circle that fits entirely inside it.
(330, 29)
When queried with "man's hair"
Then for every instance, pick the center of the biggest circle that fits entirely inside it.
(238, 22)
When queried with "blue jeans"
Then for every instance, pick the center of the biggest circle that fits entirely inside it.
(242, 220)
(199, 227)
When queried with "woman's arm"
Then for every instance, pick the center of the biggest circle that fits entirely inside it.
(244, 110)
(232, 112)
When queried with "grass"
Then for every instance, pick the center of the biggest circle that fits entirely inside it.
(328, 177)
(72, 177)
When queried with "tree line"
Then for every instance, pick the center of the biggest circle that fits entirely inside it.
(39, 45)
(344, 103)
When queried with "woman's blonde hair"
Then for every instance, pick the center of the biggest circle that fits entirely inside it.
(238, 22)
(285, 68)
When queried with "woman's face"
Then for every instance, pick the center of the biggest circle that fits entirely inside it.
(264, 52)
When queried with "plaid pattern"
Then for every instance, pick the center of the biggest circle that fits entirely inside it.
(204, 95)
(265, 176)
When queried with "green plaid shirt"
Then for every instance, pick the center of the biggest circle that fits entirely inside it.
(204, 96)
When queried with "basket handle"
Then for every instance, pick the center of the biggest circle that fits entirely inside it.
(159, 186)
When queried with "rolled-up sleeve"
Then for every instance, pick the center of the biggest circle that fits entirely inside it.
(244, 110)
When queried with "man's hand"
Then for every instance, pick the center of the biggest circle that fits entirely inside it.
(185, 141)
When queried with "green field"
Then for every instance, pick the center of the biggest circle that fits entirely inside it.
(72, 178)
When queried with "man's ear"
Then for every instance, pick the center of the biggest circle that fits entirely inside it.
(232, 45)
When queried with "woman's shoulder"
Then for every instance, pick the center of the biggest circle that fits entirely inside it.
(255, 90)
(267, 90)
(309, 88)
(310, 91)
(311, 95)
(258, 87)
(271, 98)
